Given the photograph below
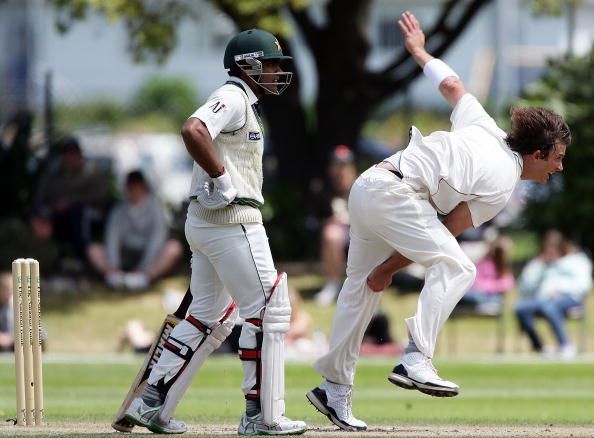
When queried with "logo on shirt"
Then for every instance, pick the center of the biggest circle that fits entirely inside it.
(254, 136)
(216, 107)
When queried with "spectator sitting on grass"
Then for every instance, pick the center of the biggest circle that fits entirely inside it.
(550, 284)
(137, 250)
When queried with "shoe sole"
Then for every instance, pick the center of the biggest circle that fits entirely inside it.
(123, 426)
(278, 433)
(135, 421)
(155, 428)
(317, 403)
(282, 432)
(408, 383)
(274, 432)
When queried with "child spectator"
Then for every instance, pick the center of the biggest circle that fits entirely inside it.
(494, 278)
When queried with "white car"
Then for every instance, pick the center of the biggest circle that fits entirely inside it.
(161, 157)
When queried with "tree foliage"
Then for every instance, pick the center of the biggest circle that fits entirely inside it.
(171, 96)
(152, 24)
(161, 104)
(568, 204)
(552, 7)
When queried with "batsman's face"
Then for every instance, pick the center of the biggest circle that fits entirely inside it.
(270, 75)
(545, 167)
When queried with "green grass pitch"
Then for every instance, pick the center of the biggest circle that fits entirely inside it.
(85, 389)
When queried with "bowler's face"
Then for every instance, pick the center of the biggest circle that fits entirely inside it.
(551, 164)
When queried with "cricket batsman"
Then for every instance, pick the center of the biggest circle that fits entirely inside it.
(232, 268)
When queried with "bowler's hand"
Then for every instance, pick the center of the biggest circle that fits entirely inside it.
(414, 38)
(379, 279)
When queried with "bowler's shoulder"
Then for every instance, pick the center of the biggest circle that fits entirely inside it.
(468, 112)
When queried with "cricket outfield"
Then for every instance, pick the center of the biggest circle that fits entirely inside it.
(499, 397)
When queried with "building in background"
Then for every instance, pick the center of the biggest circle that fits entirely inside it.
(16, 58)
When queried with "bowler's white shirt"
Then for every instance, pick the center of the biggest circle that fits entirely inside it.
(225, 111)
(472, 163)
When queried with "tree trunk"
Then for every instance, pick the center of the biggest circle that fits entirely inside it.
(288, 135)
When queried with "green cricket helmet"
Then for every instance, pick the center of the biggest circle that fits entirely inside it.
(248, 49)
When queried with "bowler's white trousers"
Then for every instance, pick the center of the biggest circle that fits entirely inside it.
(386, 215)
(229, 262)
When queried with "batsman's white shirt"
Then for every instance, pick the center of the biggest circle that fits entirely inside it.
(473, 164)
(231, 113)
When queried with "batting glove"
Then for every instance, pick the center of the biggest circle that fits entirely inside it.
(217, 192)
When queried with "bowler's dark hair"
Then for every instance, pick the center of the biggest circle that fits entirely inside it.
(536, 129)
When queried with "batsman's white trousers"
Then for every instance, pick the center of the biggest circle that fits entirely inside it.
(387, 214)
(229, 262)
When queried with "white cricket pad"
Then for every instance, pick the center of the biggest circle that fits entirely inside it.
(275, 323)
(213, 340)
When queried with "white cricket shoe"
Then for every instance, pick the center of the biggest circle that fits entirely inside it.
(335, 402)
(282, 426)
(415, 371)
(140, 414)
(170, 427)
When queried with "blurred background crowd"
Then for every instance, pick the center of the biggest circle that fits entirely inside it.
(95, 177)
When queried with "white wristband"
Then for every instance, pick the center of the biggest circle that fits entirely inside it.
(436, 71)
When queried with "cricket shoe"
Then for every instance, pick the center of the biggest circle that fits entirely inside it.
(415, 371)
(282, 426)
(140, 414)
(336, 405)
(171, 426)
